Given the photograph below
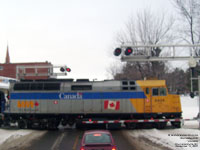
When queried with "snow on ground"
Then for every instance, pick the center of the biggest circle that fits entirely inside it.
(185, 138)
(16, 138)
(12, 134)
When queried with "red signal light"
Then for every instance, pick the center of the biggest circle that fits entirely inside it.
(128, 51)
(68, 69)
(117, 51)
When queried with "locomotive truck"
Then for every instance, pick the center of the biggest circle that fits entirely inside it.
(130, 103)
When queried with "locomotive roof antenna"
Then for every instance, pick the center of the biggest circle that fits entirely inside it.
(192, 59)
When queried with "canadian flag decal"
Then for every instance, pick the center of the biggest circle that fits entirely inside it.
(114, 105)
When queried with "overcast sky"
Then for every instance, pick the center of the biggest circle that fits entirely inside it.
(78, 33)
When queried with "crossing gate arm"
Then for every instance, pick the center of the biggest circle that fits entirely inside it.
(132, 121)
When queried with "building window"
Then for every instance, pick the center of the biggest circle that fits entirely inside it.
(1, 68)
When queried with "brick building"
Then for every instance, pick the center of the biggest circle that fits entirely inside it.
(9, 69)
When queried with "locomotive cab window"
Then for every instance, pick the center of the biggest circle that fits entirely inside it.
(163, 91)
(155, 92)
(147, 90)
(159, 92)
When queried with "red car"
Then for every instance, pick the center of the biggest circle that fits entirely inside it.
(97, 140)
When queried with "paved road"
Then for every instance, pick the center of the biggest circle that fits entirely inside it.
(69, 139)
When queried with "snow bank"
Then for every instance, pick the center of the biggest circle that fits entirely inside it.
(190, 106)
(175, 139)
(12, 134)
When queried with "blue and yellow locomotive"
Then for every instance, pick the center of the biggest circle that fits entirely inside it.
(48, 103)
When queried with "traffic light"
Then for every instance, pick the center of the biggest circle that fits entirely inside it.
(128, 51)
(117, 51)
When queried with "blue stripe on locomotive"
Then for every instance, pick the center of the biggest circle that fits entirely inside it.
(78, 96)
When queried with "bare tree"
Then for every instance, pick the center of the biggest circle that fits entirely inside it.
(189, 22)
(146, 29)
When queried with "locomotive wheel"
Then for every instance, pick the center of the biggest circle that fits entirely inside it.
(176, 124)
(131, 125)
(71, 122)
(21, 124)
(160, 125)
(1, 122)
(52, 125)
(29, 125)
(64, 122)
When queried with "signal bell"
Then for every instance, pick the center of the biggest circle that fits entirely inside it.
(128, 51)
(117, 51)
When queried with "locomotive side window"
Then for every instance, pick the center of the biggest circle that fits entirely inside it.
(163, 92)
(132, 88)
(124, 83)
(36, 86)
(132, 82)
(21, 86)
(155, 92)
(124, 88)
(81, 87)
(51, 86)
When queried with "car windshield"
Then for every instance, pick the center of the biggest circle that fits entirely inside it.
(97, 138)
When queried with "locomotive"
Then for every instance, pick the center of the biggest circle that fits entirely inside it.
(51, 102)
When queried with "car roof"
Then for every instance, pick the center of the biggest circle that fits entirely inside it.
(96, 131)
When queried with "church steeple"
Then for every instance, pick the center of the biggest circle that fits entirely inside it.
(7, 56)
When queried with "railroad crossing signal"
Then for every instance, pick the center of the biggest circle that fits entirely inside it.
(127, 52)
(142, 53)
(65, 69)
(35, 71)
